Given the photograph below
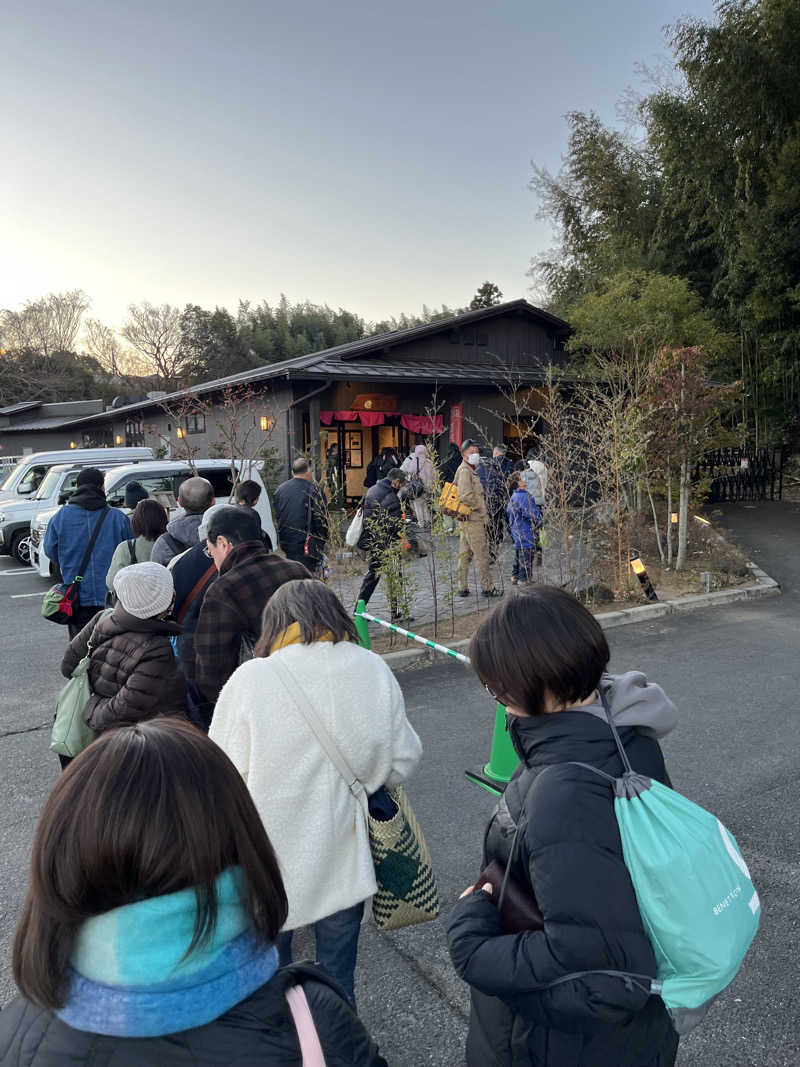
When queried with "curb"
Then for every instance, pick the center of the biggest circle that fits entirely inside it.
(764, 586)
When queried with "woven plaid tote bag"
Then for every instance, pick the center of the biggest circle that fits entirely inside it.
(406, 883)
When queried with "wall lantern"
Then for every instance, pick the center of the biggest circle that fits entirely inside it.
(179, 432)
(267, 423)
(118, 439)
(72, 444)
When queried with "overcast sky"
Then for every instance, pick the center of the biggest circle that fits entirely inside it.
(369, 155)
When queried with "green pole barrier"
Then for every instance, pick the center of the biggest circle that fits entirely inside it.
(503, 759)
(362, 626)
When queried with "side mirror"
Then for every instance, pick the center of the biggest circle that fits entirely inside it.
(26, 489)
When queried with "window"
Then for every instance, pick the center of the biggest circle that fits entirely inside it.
(160, 486)
(195, 424)
(220, 478)
(134, 433)
(483, 338)
(99, 438)
(32, 480)
(469, 337)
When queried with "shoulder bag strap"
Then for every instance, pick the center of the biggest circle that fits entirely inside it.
(90, 642)
(310, 1047)
(303, 706)
(132, 548)
(195, 592)
(91, 545)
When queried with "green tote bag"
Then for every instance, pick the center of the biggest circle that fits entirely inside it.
(70, 734)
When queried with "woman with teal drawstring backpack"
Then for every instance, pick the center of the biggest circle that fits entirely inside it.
(147, 935)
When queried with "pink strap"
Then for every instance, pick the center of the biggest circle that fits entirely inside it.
(306, 1030)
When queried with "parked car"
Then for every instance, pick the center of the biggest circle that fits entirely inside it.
(16, 516)
(161, 479)
(25, 479)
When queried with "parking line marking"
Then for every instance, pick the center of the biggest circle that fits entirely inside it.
(21, 596)
(26, 570)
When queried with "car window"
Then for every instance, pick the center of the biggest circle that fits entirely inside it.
(220, 478)
(50, 484)
(159, 486)
(32, 480)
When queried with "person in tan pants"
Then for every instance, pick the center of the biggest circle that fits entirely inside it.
(473, 542)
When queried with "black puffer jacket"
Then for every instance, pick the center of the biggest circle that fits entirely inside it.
(259, 1032)
(569, 852)
(133, 671)
(300, 511)
(383, 516)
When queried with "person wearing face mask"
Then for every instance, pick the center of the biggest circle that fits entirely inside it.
(473, 541)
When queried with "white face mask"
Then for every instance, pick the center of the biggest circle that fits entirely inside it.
(474, 459)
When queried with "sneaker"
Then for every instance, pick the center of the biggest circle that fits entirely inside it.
(463, 592)
(491, 592)
(515, 581)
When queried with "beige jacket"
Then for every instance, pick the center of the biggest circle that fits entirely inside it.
(470, 492)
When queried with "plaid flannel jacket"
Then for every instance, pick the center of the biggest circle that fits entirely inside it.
(233, 606)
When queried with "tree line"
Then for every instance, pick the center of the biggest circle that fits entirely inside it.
(702, 193)
(51, 349)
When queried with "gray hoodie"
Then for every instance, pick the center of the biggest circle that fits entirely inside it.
(636, 702)
(183, 529)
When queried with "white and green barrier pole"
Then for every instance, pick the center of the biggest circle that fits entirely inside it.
(503, 760)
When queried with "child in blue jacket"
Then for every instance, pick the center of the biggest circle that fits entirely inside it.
(524, 520)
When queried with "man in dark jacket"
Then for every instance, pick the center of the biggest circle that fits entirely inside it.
(569, 848)
(235, 601)
(383, 523)
(68, 535)
(300, 514)
(193, 572)
(195, 496)
(497, 496)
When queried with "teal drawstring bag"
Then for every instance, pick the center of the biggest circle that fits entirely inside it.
(698, 904)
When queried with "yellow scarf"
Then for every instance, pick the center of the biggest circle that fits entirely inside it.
(293, 636)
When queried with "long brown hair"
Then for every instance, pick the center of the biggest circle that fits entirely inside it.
(145, 810)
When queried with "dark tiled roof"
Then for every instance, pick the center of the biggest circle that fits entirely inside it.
(340, 361)
(420, 371)
(26, 405)
(55, 422)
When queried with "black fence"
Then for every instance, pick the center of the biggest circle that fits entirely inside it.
(742, 474)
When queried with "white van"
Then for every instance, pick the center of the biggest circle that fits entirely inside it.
(24, 479)
(161, 479)
(16, 516)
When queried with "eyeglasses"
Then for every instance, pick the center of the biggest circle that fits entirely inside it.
(207, 551)
(494, 696)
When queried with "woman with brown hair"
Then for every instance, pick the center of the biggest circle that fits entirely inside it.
(147, 935)
(550, 996)
(148, 523)
(308, 662)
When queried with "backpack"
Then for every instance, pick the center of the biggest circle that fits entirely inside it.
(697, 901)
(415, 487)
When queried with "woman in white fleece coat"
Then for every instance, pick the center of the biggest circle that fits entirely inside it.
(308, 650)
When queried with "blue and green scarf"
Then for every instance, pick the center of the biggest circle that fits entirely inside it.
(130, 976)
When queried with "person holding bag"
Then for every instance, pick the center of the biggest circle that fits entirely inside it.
(148, 933)
(80, 540)
(554, 834)
(308, 654)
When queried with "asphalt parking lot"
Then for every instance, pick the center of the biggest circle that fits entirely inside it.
(734, 674)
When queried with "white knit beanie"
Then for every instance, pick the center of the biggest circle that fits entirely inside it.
(144, 589)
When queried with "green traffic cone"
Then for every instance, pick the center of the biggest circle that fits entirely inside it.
(362, 626)
(503, 759)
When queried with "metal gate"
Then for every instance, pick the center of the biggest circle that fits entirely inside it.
(744, 474)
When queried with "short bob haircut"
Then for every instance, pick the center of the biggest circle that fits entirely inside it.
(145, 810)
(248, 493)
(311, 604)
(149, 520)
(542, 643)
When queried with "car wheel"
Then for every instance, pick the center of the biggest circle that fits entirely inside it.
(21, 548)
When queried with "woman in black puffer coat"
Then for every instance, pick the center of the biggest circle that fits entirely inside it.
(544, 655)
(147, 935)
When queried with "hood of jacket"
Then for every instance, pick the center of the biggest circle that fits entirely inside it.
(88, 497)
(120, 621)
(636, 702)
(184, 528)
